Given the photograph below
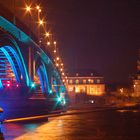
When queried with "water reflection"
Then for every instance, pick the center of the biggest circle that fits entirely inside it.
(126, 110)
(104, 125)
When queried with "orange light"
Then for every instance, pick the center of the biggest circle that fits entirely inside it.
(63, 73)
(54, 51)
(57, 64)
(54, 42)
(41, 22)
(37, 7)
(28, 8)
(47, 34)
(48, 43)
(57, 58)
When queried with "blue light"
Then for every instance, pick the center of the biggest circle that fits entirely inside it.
(50, 91)
(1, 86)
(59, 99)
(11, 63)
(33, 85)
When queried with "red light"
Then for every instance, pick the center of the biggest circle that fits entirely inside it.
(8, 81)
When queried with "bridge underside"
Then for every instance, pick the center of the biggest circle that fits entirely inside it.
(27, 74)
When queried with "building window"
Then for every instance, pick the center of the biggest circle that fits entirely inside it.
(98, 81)
(84, 81)
(91, 81)
(77, 81)
(70, 89)
(70, 81)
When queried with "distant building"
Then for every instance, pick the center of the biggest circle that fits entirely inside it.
(136, 80)
(90, 85)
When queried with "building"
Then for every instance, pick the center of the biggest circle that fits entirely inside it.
(136, 79)
(90, 85)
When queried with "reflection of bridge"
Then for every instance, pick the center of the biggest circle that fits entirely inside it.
(24, 65)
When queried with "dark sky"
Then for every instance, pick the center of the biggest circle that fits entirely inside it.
(97, 34)
(103, 35)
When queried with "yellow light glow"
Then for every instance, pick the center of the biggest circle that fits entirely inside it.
(61, 69)
(57, 58)
(48, 43)
(134, 85)
(62, 64)
(41, 22)
(28, 8)
(47, 34)
(54, 42)
(63, 73)
(37, 7)
(57, 64)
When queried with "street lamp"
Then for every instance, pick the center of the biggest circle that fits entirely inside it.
(54, 42)
(28, 8)
(48, 43)
(57, 58)
(41, 22)
(47, 34)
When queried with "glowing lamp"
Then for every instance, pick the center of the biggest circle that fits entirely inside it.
(64, 102)
(33, 85)
(8, 85)
(17, 85)
(59, 99)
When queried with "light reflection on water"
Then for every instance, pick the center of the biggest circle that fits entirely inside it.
(127, 110)
(104, 125)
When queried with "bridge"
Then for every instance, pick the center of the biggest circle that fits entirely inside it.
(26, 70)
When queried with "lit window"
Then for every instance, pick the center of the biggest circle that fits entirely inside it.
(84, 81)
(91, 81)
(98, 81)
(70, 81)
(77, 81)
(77, 90)
(70, 89)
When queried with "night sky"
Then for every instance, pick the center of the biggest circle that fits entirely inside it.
(103, 35)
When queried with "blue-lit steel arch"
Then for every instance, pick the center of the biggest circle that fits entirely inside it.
(43, 76)
(46, 70)
(14, 59)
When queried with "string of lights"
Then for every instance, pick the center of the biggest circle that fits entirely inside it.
(46, 38)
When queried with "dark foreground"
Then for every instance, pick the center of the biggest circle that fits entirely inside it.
(100, 125)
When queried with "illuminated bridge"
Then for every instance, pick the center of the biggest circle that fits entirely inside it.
(27, 73)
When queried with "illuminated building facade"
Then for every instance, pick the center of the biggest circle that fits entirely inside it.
(136, 80)
(91, 85)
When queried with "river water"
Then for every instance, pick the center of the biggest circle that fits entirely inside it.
(99, 125)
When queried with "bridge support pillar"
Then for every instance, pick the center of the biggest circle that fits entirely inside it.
(31, 64)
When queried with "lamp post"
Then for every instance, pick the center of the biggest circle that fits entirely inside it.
(31, 63)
